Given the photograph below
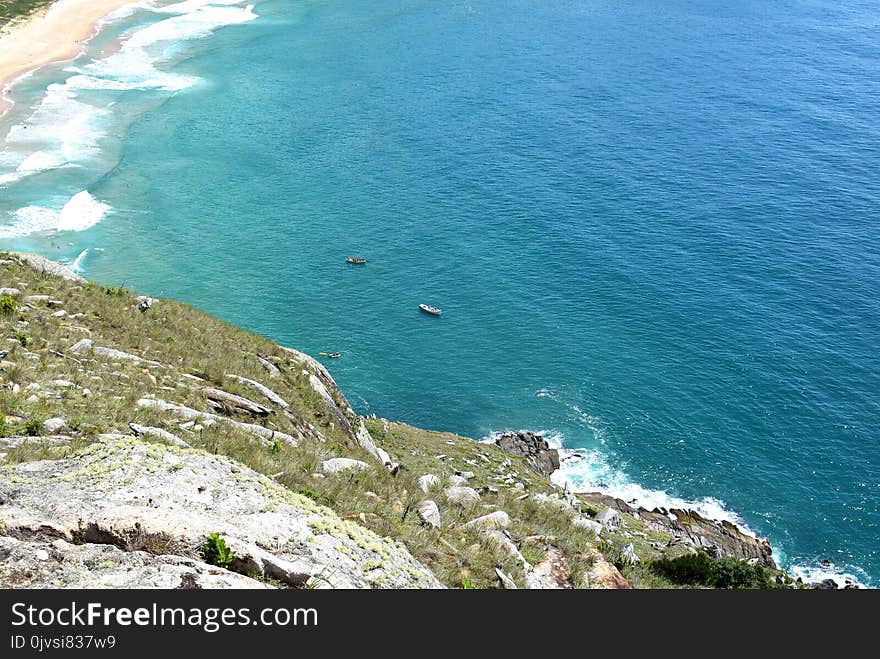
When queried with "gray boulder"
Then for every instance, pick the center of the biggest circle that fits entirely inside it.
(610, 519)
(427, 481)
(461, 495)
(429, 513)
(335, 465)
(496, 520)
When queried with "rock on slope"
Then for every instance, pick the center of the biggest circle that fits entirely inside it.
(164, 500)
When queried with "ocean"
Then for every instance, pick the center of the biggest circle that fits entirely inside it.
(652, 225)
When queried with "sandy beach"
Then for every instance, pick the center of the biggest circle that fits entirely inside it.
(51, 36)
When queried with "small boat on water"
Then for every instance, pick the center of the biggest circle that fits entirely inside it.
(356, 260)
(427, 308)
(331, 355)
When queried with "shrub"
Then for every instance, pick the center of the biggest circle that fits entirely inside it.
(215, 552)
(22, 338)
(33, 427)
(700, 569)
(8, 305)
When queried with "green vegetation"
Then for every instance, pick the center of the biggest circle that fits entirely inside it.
(8, 305)
(42, 377)
(215, 552)
(12, 10)
(702, 570)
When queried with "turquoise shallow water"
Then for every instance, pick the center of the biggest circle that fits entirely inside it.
(652, 225)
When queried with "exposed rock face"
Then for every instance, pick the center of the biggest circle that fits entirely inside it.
(339, 407)
(551, 573)
(166, 500)
(533, 448)
(336, 465)
(689, 527)
(41, 562)
(45, 266)
(603, 575)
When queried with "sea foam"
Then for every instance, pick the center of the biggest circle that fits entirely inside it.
(81, 212)
(67, 126)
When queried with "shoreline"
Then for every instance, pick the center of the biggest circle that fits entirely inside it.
(55, 34)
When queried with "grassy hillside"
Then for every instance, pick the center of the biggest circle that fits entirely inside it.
(58, 397)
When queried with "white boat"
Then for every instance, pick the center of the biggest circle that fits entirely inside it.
(427, 308)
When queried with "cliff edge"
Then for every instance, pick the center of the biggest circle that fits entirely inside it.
(145, 444)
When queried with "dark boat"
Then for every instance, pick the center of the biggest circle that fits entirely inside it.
(356, 260)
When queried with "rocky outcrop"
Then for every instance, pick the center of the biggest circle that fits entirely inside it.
(688, 527)
(336, 465)
(44, 266)
(603, 575)
(533, 448)
(551, 573)
(165, 501)
(43, 562)
(350, 423)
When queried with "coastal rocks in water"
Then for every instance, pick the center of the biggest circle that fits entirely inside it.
(429, 513)
(533, 448)
(336, 465)
(462, 495)
(496, 520)
(427, 481)
(610, 519)
(690, 528)
(165, 500)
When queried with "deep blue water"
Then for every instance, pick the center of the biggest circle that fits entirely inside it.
(652, 225)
